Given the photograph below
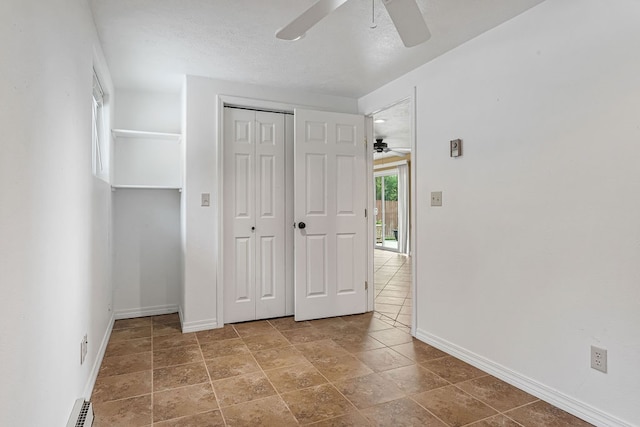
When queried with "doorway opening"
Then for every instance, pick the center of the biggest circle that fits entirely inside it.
(392, 162)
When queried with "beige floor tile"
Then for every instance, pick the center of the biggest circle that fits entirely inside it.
(130, 333)
(243, 388)
(121, 386)
(176, 356)
(302, 335)
(368, 390)
(414, 379)
(179, 376)
(205, 419)
(497, 421)
(273, 339)
(259, 327)
(496, 393)
(230, 347)
(419, 351)
(118, 365)
(391, 337)
(351, 419)
(124, 348)
(168, 341)
(181, 402)
(543, 414)
(270, 411)
(132, 323)
(288, 323)
(383, 359)
(317, 403)
(219, 334)
(342, 367)
(321, 351)
(453, 406)
(231, 366)
(453, 370)
(295, 377)
(165, 318)
(401, 412)
(166, 329)
(279, 357)
(132, 412)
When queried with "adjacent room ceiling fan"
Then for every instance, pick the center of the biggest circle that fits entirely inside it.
(382, 147)
(405, 14)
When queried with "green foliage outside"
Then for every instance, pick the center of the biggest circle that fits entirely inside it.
(390, 187)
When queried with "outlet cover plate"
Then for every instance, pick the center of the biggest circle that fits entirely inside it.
(599, 359)
(436, 198)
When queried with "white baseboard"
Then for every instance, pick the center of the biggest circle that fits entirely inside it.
(130, 313)
(199, 325)
(88, 388)
(541, 391)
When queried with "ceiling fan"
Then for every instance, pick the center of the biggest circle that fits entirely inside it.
(405, 14)
(382, 147)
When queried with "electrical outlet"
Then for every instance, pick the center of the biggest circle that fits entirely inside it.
(84, 344)
(436, 198)
(599, 359)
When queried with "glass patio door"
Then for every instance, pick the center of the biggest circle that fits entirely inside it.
(386, 210)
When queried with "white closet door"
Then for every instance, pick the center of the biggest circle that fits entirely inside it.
(253, 210)
(239, 215)
(330, 199)
(270, 215)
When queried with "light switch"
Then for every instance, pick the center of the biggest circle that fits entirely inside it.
(205, 199)
(436, 198)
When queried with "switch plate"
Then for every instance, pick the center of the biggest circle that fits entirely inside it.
(436, 198)
(205, 200)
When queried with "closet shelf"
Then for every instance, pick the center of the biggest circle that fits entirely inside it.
(126, 133)
(145, 187)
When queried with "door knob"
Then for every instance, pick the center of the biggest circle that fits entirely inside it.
(253, 229)
(301, 225)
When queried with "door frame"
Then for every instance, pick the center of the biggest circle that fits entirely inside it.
(223, 101)
(413, 244)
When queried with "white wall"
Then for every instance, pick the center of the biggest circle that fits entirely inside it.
(200, 224)
(535, 255)
(54, 215)
(147, 273)
(148, 111)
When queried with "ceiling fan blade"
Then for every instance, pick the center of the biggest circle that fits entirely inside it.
(299, 26)
(409, 22)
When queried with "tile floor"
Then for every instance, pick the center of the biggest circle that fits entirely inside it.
(345, 371)
(392, 277)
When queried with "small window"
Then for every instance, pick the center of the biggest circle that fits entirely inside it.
(98, 137)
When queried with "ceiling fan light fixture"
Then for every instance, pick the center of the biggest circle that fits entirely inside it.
(379, 121)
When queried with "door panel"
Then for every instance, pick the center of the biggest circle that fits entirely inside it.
(253, 215)
(330, 193)
(270, 220)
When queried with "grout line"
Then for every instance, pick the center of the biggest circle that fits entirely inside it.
(206, 368)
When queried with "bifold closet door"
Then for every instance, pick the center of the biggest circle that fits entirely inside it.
(253, 215)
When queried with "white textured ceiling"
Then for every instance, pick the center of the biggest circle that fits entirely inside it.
(151, 44)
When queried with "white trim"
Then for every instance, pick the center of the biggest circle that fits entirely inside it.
(200, 325)
(371, 238)
(389, 165)
(531, 386)
(220, 175)
(156, 310)
(413, 218)
(413, 246)
(91, 381)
